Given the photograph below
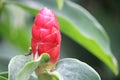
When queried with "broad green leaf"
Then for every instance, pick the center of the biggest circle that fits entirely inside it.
(81, 26)
(60, 3)
(73, 69)
(21, 67)
(16, 64)
(30, 67)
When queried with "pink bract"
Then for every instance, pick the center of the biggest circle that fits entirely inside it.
(46, 36)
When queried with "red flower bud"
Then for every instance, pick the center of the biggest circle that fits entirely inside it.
(46, 36)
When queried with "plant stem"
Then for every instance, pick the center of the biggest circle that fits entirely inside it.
(45, 76)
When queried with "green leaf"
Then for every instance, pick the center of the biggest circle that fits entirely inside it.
(3, 78)
(16, 64)
(60, 3)
(30, 67)
(13, 27)
(4, 74)
(21, 67)
(73, 69)
(2, 3)
(81, 26)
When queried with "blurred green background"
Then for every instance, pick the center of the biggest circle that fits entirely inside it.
(107, 12)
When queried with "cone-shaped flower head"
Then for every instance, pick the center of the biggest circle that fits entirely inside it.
(46, 36)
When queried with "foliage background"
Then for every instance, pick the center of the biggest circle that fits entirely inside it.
(105, 11)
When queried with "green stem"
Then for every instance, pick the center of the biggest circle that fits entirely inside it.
(44, 76)
(48, 76)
